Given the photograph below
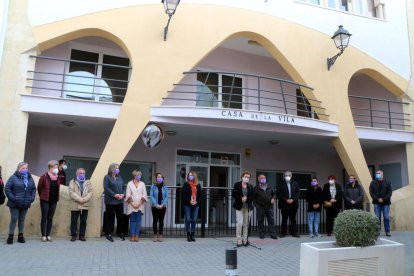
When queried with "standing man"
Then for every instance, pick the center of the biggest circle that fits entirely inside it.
(288, 193)
(263, 200)
(381, 191)
(80, 191)
(61, 174)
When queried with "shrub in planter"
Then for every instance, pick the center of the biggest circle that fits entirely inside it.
(356, 228)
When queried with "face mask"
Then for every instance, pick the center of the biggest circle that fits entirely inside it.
(24, 171)
(160, 180)
(190, 177)
(351, 180)
(314, 183)
(116, 171)
(378, 176)
(138, 177)
(55, 171)
(263, 180)
(245, 179)
(331, 182)
(81, 177)
(64, 167)
(288, 178)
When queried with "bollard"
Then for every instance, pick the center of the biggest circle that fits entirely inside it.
(231, 262)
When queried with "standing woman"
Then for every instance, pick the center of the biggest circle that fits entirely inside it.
(114, 195)
(243, 198)
(191, 201)
(159, 198)
(136, 197)
(314, 197)
(21, 192)
(48, 189)
(332, 196)
(353, 194)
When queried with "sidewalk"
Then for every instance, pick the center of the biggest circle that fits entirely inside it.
(172, 257)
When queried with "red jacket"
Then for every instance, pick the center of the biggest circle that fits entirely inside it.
(43, 188)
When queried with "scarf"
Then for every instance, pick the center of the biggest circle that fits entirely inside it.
(52, 176)
(193, 187)
(25, 179)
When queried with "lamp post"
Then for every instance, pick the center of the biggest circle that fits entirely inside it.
(341, 39)
(169, 7)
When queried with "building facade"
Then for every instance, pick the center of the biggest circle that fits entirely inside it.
(237, 85)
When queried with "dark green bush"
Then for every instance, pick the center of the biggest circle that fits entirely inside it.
(356, 228)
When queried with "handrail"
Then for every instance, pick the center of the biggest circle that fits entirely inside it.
(377, 99)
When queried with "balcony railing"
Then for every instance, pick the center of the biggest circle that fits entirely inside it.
(380, 113)
(54, 77)
(244, 91)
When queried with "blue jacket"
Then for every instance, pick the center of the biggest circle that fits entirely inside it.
(112, 187)
(154, 195)
(17, 194)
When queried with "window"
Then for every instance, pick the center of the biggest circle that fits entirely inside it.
(94, 76)
(219, 90)
(361, 7)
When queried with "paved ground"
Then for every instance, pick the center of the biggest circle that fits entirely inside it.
(172, 257)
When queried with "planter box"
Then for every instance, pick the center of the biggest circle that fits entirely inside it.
(325, 258)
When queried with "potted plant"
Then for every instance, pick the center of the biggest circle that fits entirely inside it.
(356, 251)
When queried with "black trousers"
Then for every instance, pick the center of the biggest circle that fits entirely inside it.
(291, 215)
(110, 213)
(268, 213)
(331, 214)
(158, 218)
(74, 222)
(48, 211)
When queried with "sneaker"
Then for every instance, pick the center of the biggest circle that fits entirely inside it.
(49, 238)
(388, 234)
(73, 239)
(109, 238)
(311, 236)
(318, 235)
(44, 239)
(121, 237)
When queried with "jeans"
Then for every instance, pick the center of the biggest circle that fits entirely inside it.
(268, 213)
(135, 223)
(385, 209)
(110, 212)
(158, 217)
(291, 214)
(17, 215)
(313, 222)
(242, 224)
(74, 222)
(191, 213)
(48, 211)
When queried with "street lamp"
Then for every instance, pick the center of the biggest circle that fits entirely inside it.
(169, 6)
(341, 40)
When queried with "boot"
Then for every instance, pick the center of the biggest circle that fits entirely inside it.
(188, 237)
(10, 239)
(20, 238)
(192, 237)
(160, 238)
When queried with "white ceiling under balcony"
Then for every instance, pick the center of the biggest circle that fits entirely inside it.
(246, 46)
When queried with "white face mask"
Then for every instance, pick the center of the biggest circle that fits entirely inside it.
(288, 178)
(55, 170)
(245, 179)
(64, 167)
(331, 182)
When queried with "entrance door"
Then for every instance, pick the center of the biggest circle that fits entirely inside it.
(218, 196)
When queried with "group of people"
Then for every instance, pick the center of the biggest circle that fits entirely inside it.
(331, 196)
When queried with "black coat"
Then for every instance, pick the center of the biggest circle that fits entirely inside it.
(356, 194)
(237, 194)
(17, 194)
(383, 191)
(338, 197)
(263, 198)
(282, 194)
(314, 196)
(187, 194)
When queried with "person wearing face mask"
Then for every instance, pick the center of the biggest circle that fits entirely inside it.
(114, 202)
(381, 191)
(62, 174)
(191, 199)
(48, 189)
(353, 194)
(288, 192)
(80, 191)
(159, 199)
(332, 196)
(136, 197)
(314, 197)
(243, 203)
(21, 192)
(263, 200)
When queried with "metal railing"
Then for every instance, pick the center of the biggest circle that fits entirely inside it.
(256, 93)
(376, 112)
(216, 216)
(53, 78)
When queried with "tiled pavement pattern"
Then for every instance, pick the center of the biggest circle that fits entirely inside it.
(172, 257)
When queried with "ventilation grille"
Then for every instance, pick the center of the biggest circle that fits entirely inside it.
(353, 267)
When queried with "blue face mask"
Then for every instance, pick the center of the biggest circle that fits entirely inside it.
(24, 171)
(80, 177)
(378, 176)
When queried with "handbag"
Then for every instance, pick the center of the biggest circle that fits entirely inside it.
(327, 204)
